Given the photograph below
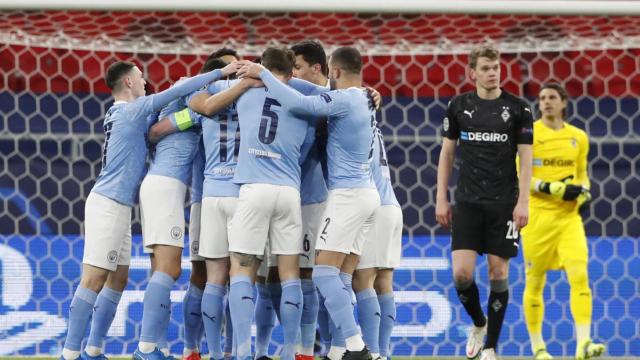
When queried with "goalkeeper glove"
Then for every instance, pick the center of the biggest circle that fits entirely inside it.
(560, 189)
(583, 199)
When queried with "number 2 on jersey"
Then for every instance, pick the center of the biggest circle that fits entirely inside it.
(269, 122)
(512, 232)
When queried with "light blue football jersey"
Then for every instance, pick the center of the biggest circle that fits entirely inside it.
(221, 137)
(313, 188)
(197, 175)
(380, 172)
(125, 147)
(272, 138)
(351, 123)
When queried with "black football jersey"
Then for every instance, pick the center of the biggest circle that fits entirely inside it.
(488, 132)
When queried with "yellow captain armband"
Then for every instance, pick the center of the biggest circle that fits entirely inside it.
(183, 119)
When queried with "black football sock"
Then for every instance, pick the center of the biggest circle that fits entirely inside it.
(498, 300)
(470, 299)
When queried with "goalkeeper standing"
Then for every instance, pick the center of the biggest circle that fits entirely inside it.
(555, 237)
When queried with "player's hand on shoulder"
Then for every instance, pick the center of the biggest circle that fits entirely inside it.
(521, 215)
(249, 69)
(443, 213)
(231, 68)
(375, 94)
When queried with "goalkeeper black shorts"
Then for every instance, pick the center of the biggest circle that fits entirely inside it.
(487, 228)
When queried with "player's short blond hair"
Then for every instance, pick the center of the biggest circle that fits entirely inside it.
(486, 50)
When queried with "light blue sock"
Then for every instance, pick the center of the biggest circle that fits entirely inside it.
(291, 313)
(163, 330)
(337, 298)
(192, 316)
(212, 312)
(229, 347)
(79, 317)
(156, 307)
(309, 314)
(265, 320)
(337, 339)
(241, 300)
(104, 311)
(387, 320)
(369, 318)
(347, 280)
(323, 324)
(275, 291)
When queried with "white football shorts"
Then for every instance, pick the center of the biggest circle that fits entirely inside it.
(194, 232)
(267, 213)
(311, 218)
(347, 219)
(217, 216)
(162, 202)
(384, 240)
(107, 232)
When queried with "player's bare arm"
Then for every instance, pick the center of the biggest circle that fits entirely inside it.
(445, 165)
(208, 105)
(521, 211)
(161, 129)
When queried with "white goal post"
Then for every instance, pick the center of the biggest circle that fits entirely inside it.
(522, 7)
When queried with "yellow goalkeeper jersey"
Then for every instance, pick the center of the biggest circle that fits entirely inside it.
(556, 155)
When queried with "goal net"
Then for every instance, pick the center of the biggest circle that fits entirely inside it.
(53, 99)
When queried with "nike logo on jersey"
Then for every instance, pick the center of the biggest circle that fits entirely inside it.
(247, 298)
(470, 113)
(297, 305)
(212, 318)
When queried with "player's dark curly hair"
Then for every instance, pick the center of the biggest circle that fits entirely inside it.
(115, 72)
(223, 52)
(212, 64)
(313, 53)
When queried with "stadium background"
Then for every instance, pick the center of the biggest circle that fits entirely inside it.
(52, 101)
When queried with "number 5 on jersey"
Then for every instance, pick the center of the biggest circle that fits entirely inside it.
(269, 122)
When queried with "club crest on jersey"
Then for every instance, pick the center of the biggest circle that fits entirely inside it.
(505, 113)
(112, 256)
(176, 233)
(574, 143)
